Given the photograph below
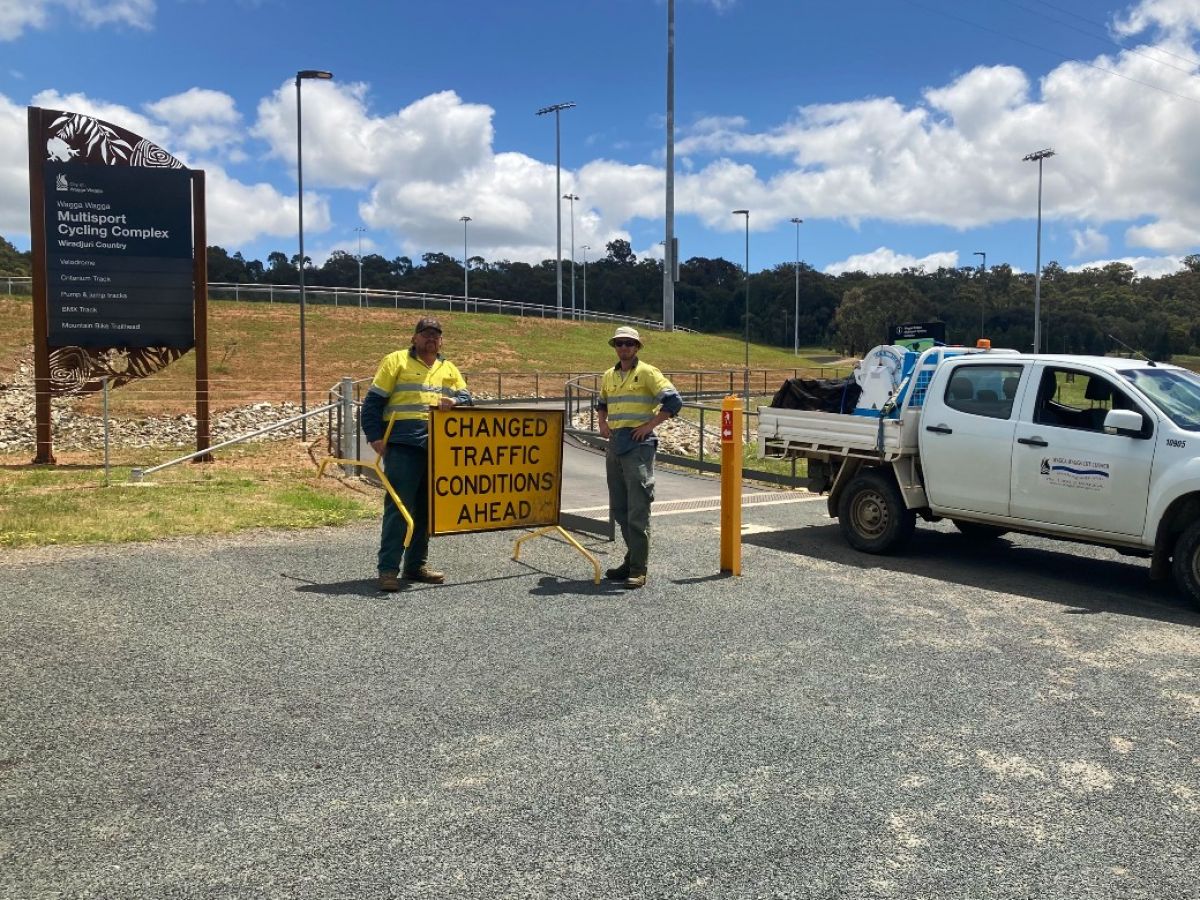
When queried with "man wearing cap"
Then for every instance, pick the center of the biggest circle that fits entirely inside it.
(635, 398)
(406, 385)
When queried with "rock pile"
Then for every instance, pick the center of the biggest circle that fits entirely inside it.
(74, 430)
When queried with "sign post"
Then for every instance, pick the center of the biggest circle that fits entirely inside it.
(731, 484)
(119, 275)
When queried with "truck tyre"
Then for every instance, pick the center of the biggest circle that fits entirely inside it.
(872, 514)
(1185, 563)
(974, 531)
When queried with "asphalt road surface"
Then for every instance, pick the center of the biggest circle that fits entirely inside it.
(248, 717)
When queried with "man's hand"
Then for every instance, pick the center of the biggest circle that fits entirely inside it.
(446, 403)
(378, 446)
(602, 427)
(643, 431)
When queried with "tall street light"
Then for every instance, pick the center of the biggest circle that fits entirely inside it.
(302, 75)
(796, 322)
(1037, 156)
(746, 375)
(360, 229)
(586, 248)
(669, 261)
(983, 294)
(572, 198)
(557, 108)
(466, 267)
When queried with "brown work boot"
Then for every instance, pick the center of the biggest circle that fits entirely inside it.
(389, 581)
(635, 581)
(620, 573)
(426, 575)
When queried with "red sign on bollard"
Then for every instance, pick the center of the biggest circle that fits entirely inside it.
(727, 426)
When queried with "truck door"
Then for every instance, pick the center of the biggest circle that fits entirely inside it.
(966, 439)
(1066, 470)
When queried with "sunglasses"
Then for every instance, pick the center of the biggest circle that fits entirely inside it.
(625, 343)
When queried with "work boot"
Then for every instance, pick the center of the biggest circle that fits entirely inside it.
(388, 581)
(426, 575)
(635, 581)
(620, 573)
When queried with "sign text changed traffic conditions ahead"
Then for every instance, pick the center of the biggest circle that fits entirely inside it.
(491, 469)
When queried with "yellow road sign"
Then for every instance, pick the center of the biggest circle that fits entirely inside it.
(491, 469)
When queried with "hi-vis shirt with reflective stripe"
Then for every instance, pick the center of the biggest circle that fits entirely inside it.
(630, 398)
(404, 388)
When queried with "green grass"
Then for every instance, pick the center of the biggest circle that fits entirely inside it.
(258, 486)
(254, 357)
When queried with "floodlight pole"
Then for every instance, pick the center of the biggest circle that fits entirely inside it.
(586, 248)
(1038, 156)
(360, 229)
(796, 323)
(669, 260)
(746, 376)
(302, 75)
(466, 268)
(983, 294)
(572, 198)
(556, 109)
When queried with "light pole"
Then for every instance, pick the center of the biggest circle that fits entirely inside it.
(1038, 156)
(586, 248)
(796, 320)
(360, 229)
(466, 268)
(301, 76)
(669, 260)
(556, 109)
(746, 375)
(572, 198)
(983, 293)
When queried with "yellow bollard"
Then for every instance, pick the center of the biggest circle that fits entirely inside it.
(731, 484)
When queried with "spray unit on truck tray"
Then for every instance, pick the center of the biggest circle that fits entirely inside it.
(1084, 448)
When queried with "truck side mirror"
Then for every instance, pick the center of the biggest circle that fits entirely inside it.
(1126, 422)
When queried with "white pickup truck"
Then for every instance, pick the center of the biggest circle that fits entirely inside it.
(1083, 448)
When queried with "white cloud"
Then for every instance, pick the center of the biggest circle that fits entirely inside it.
(201, 121)
(1089, 242)
(1170, 16)
(434, 139)
(18, 15)
(239, 213)
(1145, 266)
(14, 170)
(883, 260)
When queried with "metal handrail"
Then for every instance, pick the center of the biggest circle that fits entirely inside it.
(372, 298)
(139, 474)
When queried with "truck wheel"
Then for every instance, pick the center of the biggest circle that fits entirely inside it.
(872, 514)
(1185, 563)
(974, 531)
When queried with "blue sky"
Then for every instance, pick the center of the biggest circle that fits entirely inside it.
(894, 128)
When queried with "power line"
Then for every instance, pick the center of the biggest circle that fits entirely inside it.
(1105, 38)
(1063, 56)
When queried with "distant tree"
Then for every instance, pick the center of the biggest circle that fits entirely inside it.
(13, 261)
(619, 252)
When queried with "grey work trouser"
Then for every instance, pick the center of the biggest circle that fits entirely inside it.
(630, 493)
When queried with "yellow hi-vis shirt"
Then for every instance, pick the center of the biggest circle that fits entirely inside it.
(404, 388)
(630, 398)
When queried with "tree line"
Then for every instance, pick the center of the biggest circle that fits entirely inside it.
(1082, 312)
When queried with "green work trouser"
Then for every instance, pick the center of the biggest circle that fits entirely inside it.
(630, 493)
(404, 466)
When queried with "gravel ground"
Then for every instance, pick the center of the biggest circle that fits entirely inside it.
(247, 717)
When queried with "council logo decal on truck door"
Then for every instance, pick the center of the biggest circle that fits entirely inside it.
(1085, 474)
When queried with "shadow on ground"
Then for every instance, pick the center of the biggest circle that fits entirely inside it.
(1049, 571)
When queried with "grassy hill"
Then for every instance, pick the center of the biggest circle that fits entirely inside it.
(254, 351)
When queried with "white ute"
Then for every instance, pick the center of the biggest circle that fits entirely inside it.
(1083, 448)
